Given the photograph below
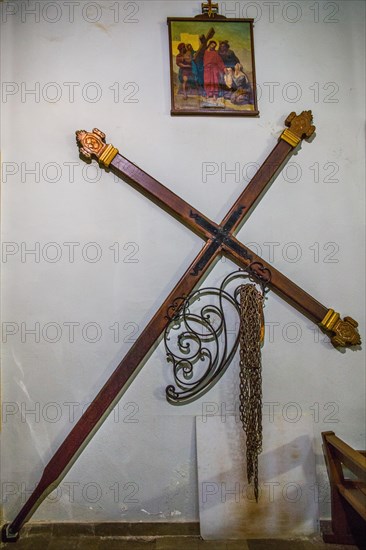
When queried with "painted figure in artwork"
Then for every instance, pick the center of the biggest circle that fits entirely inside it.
(227, 55)
(184, 61)
(242, 90)
(214, 69)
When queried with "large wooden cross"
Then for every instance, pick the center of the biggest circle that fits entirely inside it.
(220, 240)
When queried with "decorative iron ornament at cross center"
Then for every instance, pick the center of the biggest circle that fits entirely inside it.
(220, 239)
(197, 339)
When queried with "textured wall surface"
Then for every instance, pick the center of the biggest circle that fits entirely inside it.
(104, 257)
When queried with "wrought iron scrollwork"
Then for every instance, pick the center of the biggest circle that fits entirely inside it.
(198, 341)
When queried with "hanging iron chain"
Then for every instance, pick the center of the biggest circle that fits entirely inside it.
(251, 318)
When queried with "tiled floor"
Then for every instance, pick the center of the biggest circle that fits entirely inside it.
(84, 542)
(146, 536)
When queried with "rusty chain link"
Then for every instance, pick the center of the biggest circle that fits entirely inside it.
(251, 320)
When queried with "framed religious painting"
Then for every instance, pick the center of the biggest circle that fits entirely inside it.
(212, 68)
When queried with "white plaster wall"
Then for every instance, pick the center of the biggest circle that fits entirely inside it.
(141, 465)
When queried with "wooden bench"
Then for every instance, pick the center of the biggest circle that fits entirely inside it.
(348, 492)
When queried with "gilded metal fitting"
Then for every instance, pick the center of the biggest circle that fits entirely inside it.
(299, 128)
(291, 138)
(345, 331)
(92, 144)
(108, 155)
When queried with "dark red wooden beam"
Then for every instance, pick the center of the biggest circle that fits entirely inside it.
(283, 286)
(93, 417)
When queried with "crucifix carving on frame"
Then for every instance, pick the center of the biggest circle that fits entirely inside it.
(220, 239)
(210, 8)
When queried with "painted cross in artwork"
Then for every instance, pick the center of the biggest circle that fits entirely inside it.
(212, 67)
